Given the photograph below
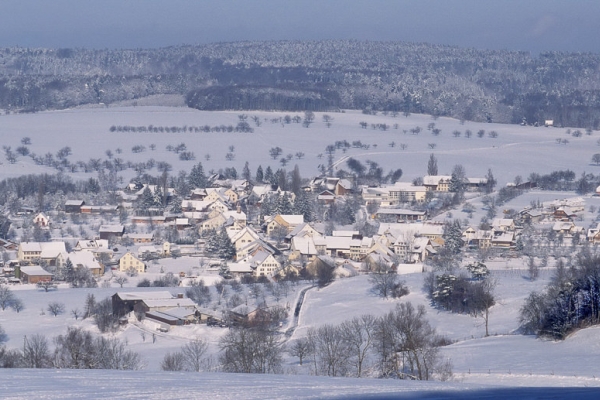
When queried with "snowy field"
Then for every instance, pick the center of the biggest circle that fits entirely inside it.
(87, 384)
(517, 150)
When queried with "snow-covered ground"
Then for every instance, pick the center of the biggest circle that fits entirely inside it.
(518, 150)
(88, 384)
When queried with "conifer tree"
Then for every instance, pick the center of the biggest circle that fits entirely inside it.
(246, 172)
(268, 175)
(303, 206)
(226, 247)
(197, 178)
(259, 174)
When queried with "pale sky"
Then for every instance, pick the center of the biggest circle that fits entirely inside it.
(530, 25)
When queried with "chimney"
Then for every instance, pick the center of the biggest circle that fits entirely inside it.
(180, 295)
(239, 209)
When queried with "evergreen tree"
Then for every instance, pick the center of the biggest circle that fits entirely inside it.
(296, 184)
(303, 206)
(212, 241)
(432, 168)
(246, 172)
(259, 174)
(456, 184)
(69, 272)
(283, 205)
(453, 237)
(491, 182)
(280, 179)
(181, 184)
(157, 197)
(176, 205)
(268, 175)
(197, 178)
(226, 248)
(147, 199)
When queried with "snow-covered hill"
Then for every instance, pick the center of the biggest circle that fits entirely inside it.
(518, 150)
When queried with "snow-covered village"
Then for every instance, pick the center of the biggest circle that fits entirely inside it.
(320, 200)
(261, 271)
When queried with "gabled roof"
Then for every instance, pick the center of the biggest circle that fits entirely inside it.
(305, 245)
(345, 183)
(84, 259)
(291, 219)
(236, 235)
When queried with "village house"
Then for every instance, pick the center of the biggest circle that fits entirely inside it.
(97, 247)
(288, 222)
(85, 209)
(139, 238)
(437, 183)
(399, 215)
(243, 315)
(503, 225)
(123, 303)
(326, 197)
(86, 259)
(260, 263)
(130, 261)
(73, 206)
(50, 253)
(404, 192)
(33, 274)
(111, 232)
(253, 248)
(41, 220)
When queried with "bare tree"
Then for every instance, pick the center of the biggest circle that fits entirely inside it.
(76, 313)
(17, 305)
(3, 335)
(173, 362)
(358, 333)
(36, 352)
(485, 299)
(6, 297)
(386, 283)
(407, 345)
(121, 280)
(331, 353)
(193, 354)
(300, 348)
(251, 351)
(55, 308)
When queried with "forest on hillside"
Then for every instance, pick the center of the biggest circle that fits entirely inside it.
(464, 83)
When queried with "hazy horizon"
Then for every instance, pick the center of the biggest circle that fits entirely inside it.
(535, 25)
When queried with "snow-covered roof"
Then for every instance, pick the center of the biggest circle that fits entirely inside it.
(304, 245)
(240, 267)
(111, 228)
(399, 211)
(83, 258)
(172, 302)
(35, 270)
(435, 179)
(344, 233)
(144, 295)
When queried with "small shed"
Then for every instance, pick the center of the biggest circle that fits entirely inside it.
(33, 274)
(73, 206)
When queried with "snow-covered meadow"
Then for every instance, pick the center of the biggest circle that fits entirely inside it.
(517, 150)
